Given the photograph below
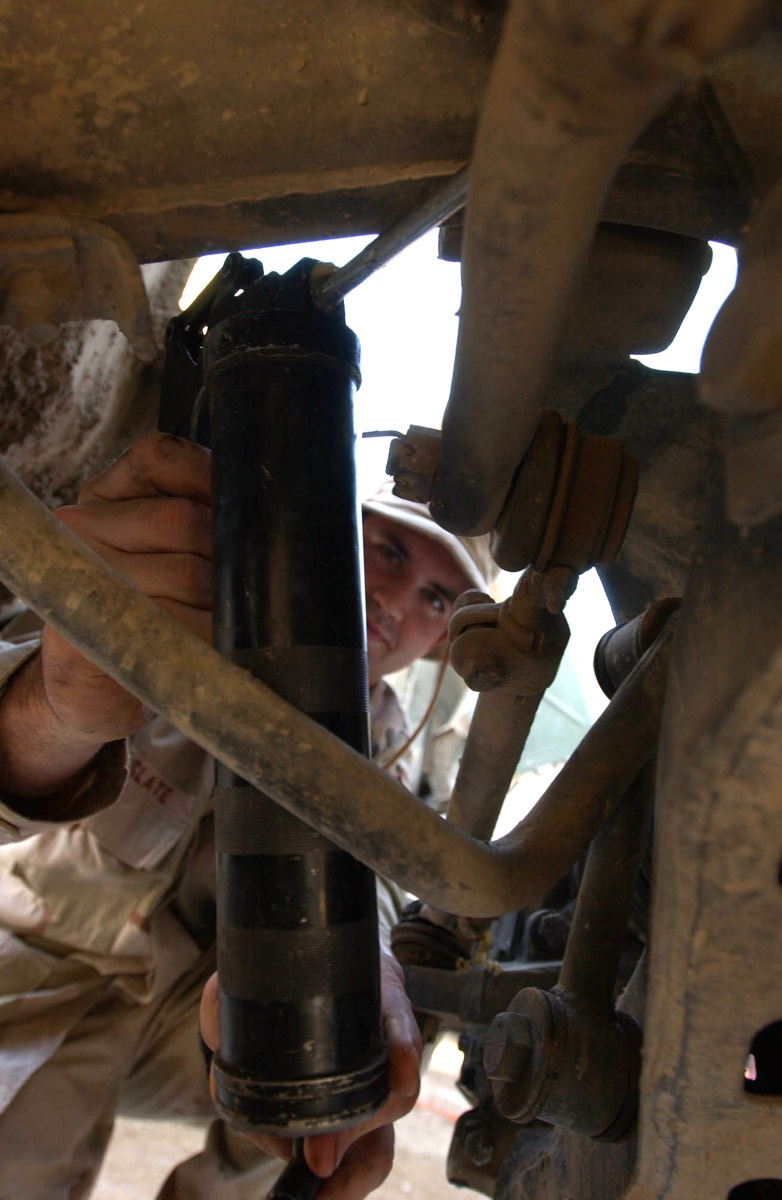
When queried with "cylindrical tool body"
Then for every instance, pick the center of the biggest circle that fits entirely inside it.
(301, 1048)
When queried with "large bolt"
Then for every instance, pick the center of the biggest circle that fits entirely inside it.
(478, 1144)
(507, 1048)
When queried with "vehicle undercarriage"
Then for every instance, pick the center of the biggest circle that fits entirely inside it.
(608, 1026)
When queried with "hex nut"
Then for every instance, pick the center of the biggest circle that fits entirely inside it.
(507, 1048)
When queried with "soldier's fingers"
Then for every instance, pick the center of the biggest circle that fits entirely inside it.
(151, 524)
(324, 1152)
(363, 1168)
(180, 577)
(208, 1016)
(197, 620)
(402, 1032)
(158, 464)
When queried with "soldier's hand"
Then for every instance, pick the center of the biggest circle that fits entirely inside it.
(355, 1161)
(148, 516)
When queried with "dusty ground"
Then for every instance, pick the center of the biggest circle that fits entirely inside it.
(143, 1152)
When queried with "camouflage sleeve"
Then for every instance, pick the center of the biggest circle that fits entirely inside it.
(390, 732)
(94, 789)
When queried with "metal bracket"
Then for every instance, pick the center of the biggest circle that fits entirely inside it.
(54, 269)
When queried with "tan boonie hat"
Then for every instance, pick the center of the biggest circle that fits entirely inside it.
(470, 553)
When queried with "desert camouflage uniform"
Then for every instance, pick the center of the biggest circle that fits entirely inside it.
(106, 940)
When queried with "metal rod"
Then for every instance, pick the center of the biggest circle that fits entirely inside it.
(605, 897)
(302, 766)
(498, 733)
(474, 996)
(442, 203)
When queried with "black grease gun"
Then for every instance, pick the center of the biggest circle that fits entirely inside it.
(262, 373)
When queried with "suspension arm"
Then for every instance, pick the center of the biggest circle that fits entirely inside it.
(302, 766)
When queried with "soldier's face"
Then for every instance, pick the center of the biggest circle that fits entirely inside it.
(411, 585)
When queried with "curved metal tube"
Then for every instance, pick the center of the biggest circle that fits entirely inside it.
(498, 733)
(605, 899)
(300, 765)
(572, 86)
